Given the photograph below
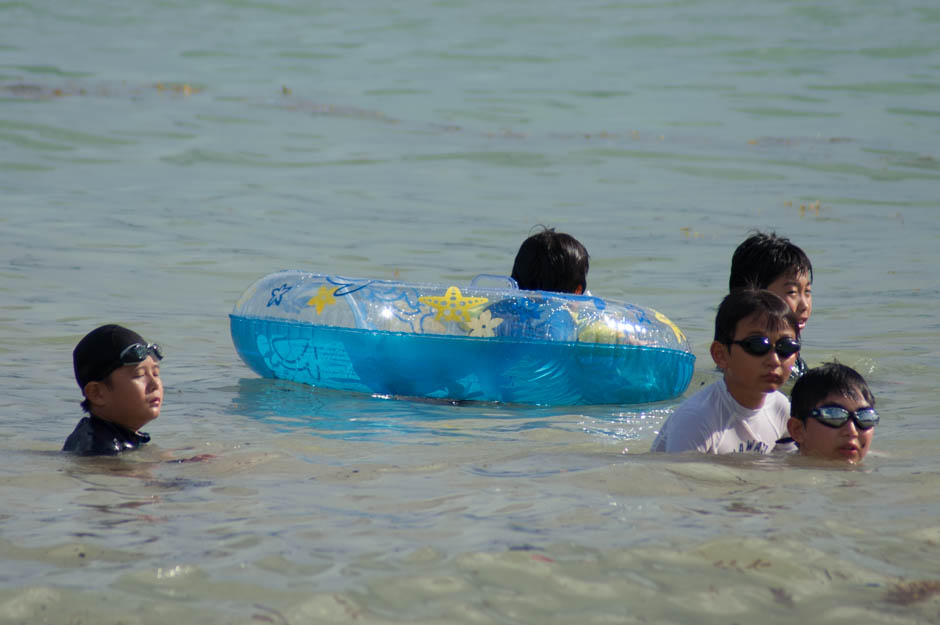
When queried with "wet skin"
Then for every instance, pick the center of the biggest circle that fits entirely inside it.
(133, 398)
(797, 292)
(846, 443)
(750, 378)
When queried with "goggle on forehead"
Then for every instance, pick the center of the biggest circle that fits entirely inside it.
(138, 352)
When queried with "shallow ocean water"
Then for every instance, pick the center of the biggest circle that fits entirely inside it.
(158, 158)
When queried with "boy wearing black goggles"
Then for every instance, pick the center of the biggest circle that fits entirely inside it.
(119, 374)
(757, 340)
(833, 413)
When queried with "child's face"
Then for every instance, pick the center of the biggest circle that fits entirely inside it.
(797, 292)
(750, 377)
(135, 395)
(847, 443)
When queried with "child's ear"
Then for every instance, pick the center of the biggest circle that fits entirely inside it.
(720, 355)
(797, 430)
(95, 392)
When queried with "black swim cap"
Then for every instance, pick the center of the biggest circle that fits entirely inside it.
(99, 353)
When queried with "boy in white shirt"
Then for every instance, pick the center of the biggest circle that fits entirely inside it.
(757, 340)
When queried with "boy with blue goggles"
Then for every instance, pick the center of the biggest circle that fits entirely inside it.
(832, 413)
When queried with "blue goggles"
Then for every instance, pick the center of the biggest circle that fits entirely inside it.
(837, 416)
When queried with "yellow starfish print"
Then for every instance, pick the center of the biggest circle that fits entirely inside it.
(323, 298)
(679, 335)
(452, 306)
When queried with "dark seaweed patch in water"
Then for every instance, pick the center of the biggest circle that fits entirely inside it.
(907, 593)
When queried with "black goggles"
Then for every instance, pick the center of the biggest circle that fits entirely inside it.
(138, 352)
(760, 345)
(837, 416)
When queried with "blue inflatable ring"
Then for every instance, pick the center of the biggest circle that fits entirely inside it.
(458, 342)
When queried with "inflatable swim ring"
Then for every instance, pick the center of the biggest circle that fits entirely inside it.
(458, 342)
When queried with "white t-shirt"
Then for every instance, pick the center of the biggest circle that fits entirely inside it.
(713, 422)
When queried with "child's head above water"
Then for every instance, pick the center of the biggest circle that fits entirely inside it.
(119, 374)
(761, 304)
(757, 340)
(832, 413)
(772, 262)
(551, 261)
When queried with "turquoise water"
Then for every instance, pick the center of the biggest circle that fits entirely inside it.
(156, 159)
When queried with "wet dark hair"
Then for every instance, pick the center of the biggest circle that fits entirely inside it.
(817, 383)
(743, 303)
(762, 258)
(551, 261)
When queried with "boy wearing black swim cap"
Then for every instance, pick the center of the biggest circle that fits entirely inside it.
(119, 374)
